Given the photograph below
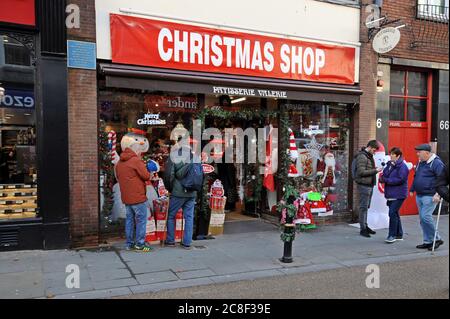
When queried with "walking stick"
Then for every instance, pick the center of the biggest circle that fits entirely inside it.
(437, 225)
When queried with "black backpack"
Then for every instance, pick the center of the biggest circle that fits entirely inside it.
(193, 180)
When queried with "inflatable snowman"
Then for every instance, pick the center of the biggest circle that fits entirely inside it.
(135, 142)
(378, 213)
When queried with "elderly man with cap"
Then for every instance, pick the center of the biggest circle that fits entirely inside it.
(428, 170)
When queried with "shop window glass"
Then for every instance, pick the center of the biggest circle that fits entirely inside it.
(18, 173)
(417, 84)
(417, 110)
(397, 82)
(396, 109)
(322, 137)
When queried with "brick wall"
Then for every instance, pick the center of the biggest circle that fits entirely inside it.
(405, 10)
(364, 128)
(83, 145)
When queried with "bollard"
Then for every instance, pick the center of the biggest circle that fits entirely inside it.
(289, 229)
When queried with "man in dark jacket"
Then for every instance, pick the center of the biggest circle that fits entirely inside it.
(428, 170)
(365, 179)
(176, 167)
(442, 185)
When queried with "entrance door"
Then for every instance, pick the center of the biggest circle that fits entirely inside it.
(410, 118)
(407, 138)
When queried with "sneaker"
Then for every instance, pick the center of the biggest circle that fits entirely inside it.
(436, 245)
(187, 247)
(390, 240)
(364, 233)
(424, 246)
(143, 249)
(371, 232)
(168, 244)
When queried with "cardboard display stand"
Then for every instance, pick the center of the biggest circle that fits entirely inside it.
(217, 205)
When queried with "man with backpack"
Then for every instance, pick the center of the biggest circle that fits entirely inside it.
(425, 184)
(364, 174)
(183, 178)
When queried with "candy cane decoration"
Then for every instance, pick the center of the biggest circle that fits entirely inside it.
(112, 143)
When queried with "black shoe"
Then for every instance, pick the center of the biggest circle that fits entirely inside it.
(372, 232)
(436, 246)
(364, 233)
(424, 246)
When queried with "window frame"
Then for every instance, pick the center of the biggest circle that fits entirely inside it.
(405, 96)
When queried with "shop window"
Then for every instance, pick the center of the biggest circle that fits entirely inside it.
(408, 96)
(18, 173)
(322, 137)
(14, 52)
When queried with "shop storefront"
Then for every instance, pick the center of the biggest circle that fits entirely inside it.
(33, 174)
(164, 74)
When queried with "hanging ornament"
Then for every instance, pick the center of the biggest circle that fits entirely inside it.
(314, 148)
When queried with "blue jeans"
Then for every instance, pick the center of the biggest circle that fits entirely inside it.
(187, 204)
(136, 214)
(395, 224)
(426, 209)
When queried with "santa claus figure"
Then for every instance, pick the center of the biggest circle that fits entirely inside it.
(327, 169)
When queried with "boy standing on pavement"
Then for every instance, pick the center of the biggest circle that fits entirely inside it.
(429, 169)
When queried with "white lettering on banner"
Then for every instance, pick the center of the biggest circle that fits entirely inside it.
(249, 92)
(164, 34)
(201, 49)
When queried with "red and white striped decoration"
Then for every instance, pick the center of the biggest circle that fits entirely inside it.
(112, 140)
(293, 152)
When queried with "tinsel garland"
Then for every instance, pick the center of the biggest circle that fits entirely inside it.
(107, 170)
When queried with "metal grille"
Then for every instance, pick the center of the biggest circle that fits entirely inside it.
(9, 237)
(430, 26)
(52, 25)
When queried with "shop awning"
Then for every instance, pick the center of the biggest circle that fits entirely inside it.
(156, 79)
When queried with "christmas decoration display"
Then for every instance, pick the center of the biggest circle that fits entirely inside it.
(314, 148)
(107, 177)
(217, 202)
(293, 155)
(269, 181)
(305, 163)
(378, 213)
(112, 144)
(327, 170)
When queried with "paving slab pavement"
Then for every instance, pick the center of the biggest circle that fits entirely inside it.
(112, 271)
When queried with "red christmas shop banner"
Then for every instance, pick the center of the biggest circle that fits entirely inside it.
(171, 45)
(18, 11)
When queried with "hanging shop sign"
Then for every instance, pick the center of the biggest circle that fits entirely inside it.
(151, 119)
(386, 40)
(172, 45)
(162, 103)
